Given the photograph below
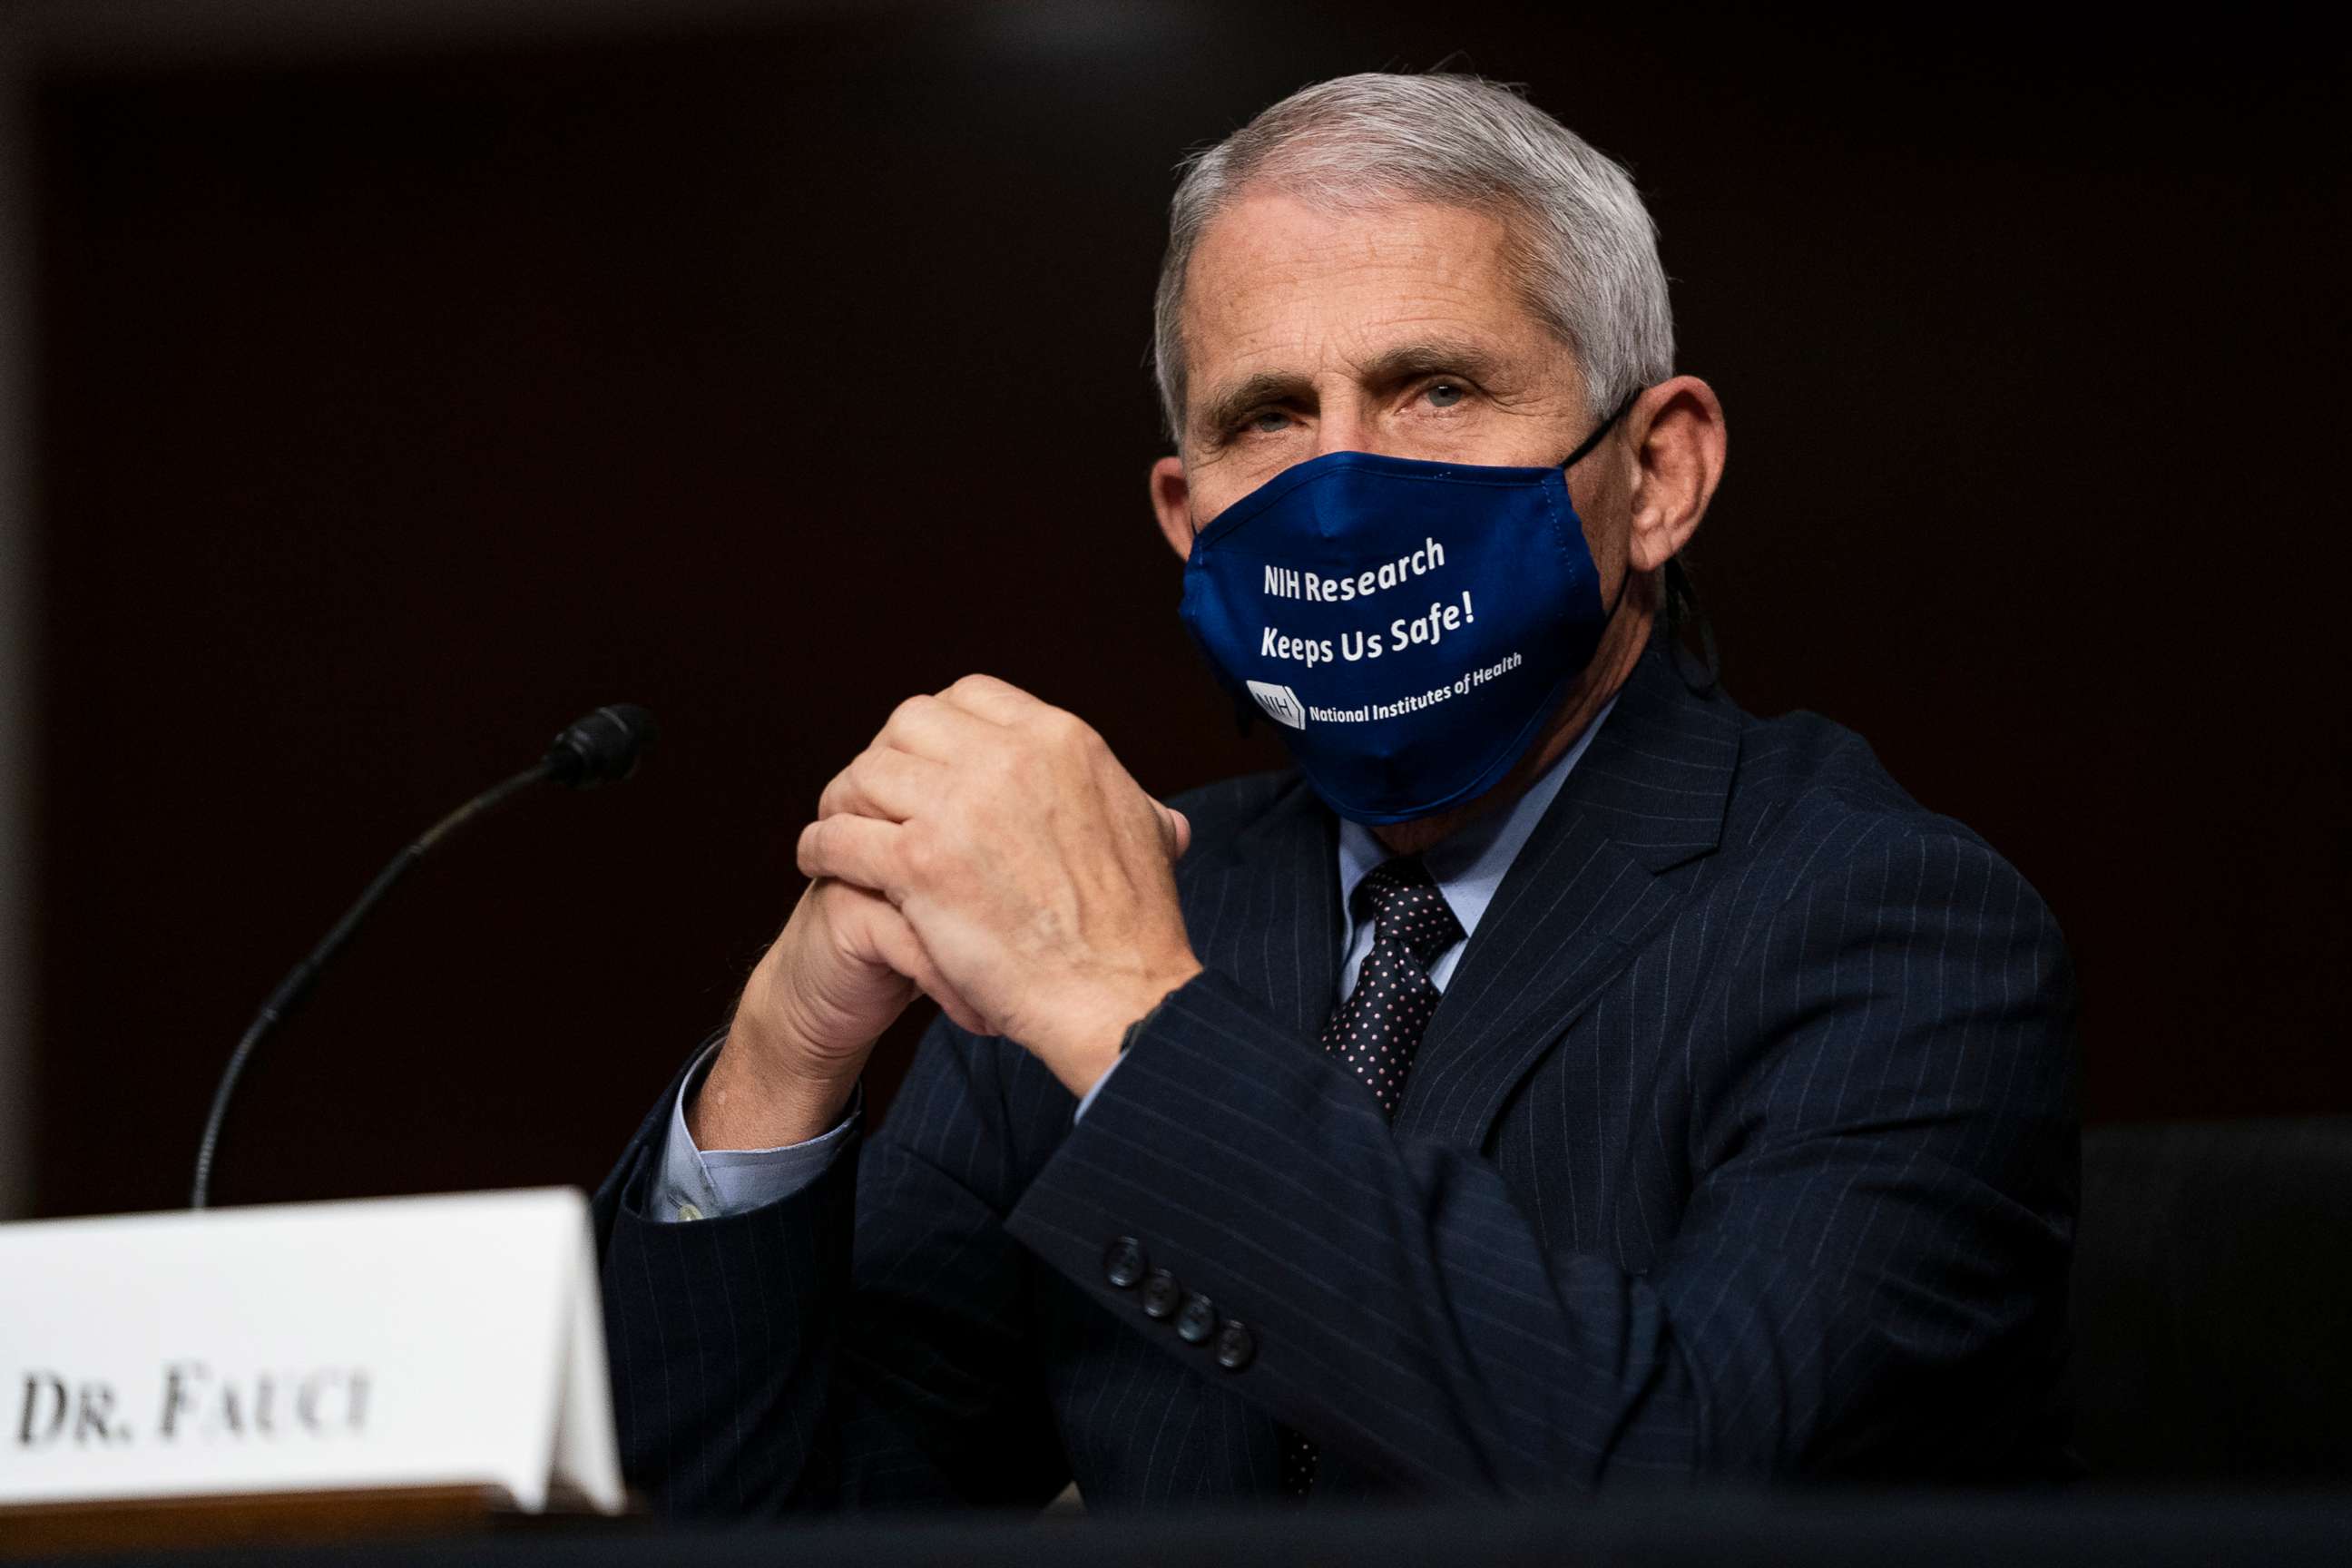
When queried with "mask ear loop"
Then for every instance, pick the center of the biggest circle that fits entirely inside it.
(1246, 712)
(1682, 609)
(1584, 449)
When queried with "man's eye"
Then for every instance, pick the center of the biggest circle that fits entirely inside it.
(1445, 394)
(1267, 422)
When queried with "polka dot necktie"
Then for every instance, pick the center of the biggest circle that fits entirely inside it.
(1374, 1033)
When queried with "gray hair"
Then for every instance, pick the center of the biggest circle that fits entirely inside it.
(1585, 249)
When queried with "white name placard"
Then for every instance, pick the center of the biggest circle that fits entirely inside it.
(396, 1342)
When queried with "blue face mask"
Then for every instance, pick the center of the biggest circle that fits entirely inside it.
(1410, 626)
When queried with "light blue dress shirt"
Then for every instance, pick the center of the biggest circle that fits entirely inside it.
(1467, 868)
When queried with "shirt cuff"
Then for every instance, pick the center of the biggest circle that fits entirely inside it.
(698, 1185)
(1125, 1040)
(1097, 1088)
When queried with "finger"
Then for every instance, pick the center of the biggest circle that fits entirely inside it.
(935, 729)
(882, 935)
(884, 783)
(1177, 830)
(998, 701)
(960, 1013)
(1009, 706)
(858, 850)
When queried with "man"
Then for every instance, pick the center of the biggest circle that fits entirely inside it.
(1562, 1078)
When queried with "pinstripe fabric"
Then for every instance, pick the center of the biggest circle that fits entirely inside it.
(1742, 1141)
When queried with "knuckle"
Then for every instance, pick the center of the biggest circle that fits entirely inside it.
(918, 848)
(1001, 762)
(1061, 727)
(951, 802)
(1022, 776)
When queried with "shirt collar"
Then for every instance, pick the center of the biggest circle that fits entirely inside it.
(1469, 866)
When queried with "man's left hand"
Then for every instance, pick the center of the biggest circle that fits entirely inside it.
(1039, 877)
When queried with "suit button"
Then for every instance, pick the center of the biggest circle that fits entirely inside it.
(1197, 1321)
(1236, 1346)
(1123, 1261)
(1160, 1294)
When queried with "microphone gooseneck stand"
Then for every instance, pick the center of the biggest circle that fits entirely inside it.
(602, 747)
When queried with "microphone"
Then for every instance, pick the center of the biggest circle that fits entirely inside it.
(602, 748)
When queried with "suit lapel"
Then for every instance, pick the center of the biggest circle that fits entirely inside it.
(1647, 796)
(1267, 912)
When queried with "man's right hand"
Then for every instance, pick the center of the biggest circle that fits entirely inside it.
(824, 993)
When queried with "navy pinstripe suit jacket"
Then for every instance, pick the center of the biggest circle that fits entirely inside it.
(1743, 1142)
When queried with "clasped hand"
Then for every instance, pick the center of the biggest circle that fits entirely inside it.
(1035, 879)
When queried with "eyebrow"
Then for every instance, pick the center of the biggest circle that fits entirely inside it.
(1225, 410)
(1405, 361)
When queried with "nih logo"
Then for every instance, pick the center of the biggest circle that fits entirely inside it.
(1280, 702)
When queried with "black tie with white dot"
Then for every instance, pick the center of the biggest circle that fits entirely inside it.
(1375, 1031)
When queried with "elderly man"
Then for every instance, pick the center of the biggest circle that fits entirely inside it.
(1560, 1077)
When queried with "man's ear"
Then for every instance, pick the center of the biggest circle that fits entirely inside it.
(1678, 450)
(1171, 502)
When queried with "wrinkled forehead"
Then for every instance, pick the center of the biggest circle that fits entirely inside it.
(1280, 286)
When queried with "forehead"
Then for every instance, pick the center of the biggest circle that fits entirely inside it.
(1283, 285)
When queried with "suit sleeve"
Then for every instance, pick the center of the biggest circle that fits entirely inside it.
(858, 1343)
(1863, 1279)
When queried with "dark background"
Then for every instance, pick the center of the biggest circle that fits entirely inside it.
(397, 402)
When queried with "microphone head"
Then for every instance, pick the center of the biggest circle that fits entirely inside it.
(602, 748)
